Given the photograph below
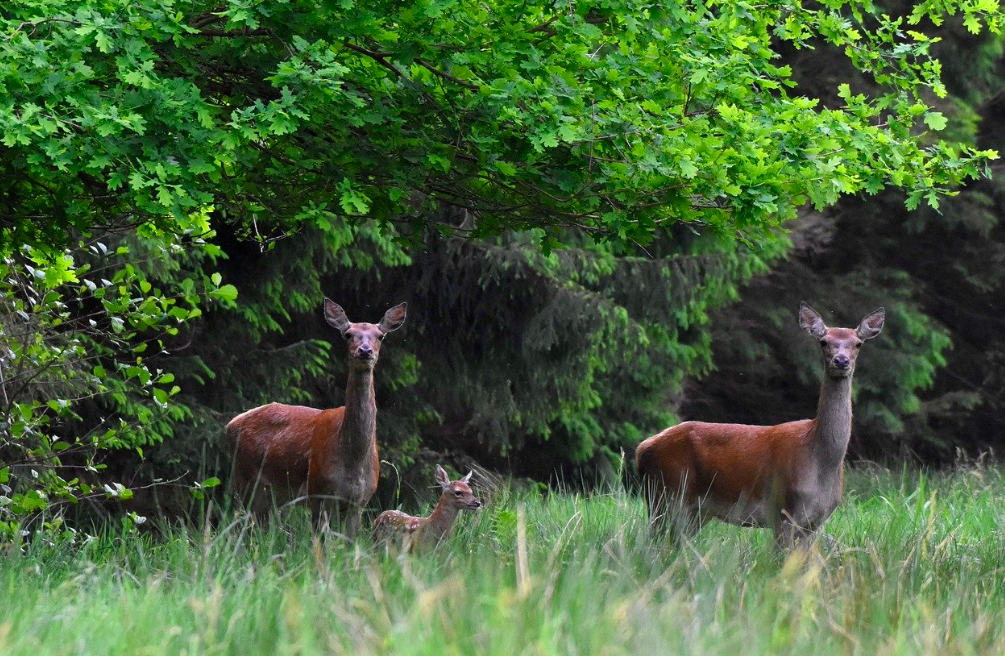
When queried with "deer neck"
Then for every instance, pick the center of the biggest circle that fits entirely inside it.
(359, 426)
(833, 422)
(440, 521)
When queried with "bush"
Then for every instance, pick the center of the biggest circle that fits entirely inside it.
(78, 332)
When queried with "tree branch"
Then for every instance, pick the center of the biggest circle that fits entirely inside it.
(446, 76)
(379, 57)
(225, 34)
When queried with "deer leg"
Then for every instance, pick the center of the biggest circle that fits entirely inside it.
(784, 536)
(320, 514)
(353, 521)
(805, 537)
(685, 521)
(672, 513)
(791, 533)
(330, 515)
(253, 495)
(260, 503)
(656, 500)
(684, 508)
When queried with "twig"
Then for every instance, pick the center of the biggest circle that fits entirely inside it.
(379, 57)
(445, 75)
(226, 34)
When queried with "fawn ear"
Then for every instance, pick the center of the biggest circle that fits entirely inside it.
(872, 324)
(441, 477)
(393, 318)
(811, 321)
(467, 478)
(335, 316)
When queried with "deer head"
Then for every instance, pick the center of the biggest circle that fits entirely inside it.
(457, 493)
(840, 346)
(363, 339)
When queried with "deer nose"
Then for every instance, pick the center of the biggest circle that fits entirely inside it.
(365, 351)
(842, 362)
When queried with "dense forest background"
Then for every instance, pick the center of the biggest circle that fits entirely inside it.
(934, 386)
(538, 343)
(565, 361)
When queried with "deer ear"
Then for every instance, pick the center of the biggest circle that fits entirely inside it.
(441, 477)
(393, 318)
(811, 321)
(872, 324)
(335, 316)
(467, 478)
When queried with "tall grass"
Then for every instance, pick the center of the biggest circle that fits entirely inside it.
(910, 564)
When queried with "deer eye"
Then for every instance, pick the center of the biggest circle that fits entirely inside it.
(457, 493)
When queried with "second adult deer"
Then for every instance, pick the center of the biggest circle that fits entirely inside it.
(282, 451)
(789, 477)
(420, 532)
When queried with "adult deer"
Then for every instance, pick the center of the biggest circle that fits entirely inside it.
(789, 477)
(421, 532)
(281, 451)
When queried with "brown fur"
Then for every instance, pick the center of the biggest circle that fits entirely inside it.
(724, 464)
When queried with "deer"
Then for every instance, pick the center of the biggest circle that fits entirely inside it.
(788, 477)
(422, 532)
(282, 451)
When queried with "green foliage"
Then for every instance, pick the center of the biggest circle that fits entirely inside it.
(79, 335)
(500, 166)
(622, 118)
(931, 384)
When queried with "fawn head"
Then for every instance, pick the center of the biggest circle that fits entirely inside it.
(363, 339)
(840, 345)
(457, 493)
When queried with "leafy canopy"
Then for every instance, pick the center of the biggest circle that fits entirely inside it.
(617, 116)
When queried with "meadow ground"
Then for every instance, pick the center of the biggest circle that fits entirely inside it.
(911, 563)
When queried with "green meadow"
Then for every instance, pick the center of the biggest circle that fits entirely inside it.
(910, 563)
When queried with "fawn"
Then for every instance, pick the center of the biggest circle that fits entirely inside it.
(420, 532)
